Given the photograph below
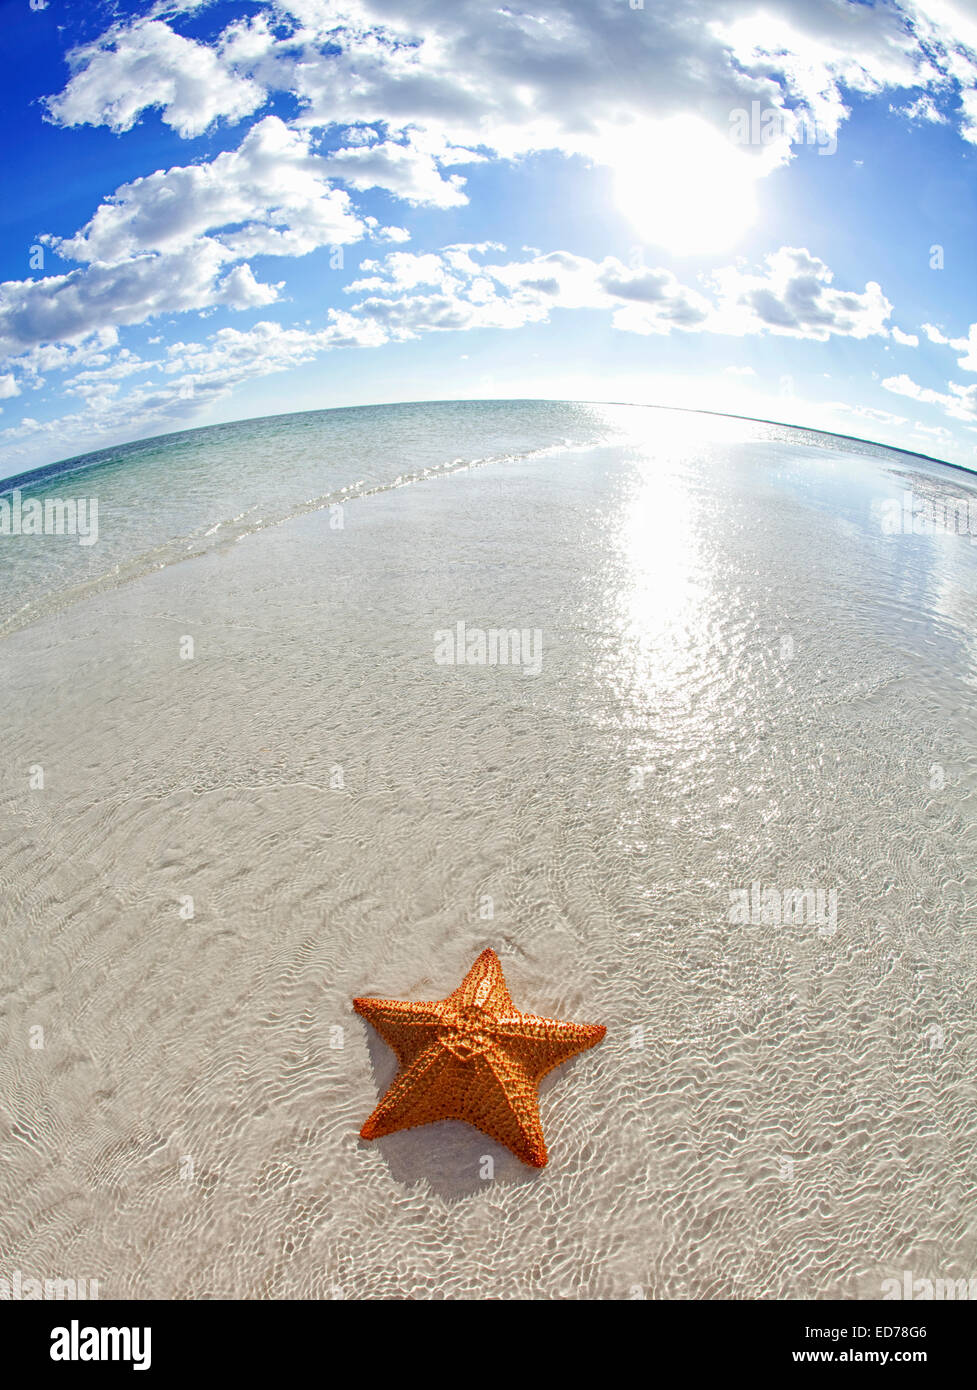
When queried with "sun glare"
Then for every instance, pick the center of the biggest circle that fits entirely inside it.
(684, 187)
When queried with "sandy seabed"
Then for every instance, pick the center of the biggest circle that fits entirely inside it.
(743, 682)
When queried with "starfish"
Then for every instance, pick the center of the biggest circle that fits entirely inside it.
(472, 1057)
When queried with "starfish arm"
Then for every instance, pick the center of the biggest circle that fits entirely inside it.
(541, 1044)
(406, 1027)
(415, 1097)
(484, 986)
(501, 1101)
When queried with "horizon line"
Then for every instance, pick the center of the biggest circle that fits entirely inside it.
(8, 483)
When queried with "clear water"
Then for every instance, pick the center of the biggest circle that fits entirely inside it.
(162, 500)
(744, 681)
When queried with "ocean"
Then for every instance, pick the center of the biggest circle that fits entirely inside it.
(263, 754)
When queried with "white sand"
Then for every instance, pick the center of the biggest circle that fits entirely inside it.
(787, 1124)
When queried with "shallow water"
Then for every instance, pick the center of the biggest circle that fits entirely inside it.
(743, 681)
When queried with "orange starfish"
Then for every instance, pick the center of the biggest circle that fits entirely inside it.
(472, 1057)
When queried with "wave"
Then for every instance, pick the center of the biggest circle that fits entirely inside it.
(229, 531)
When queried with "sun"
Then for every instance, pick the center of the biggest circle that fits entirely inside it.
(685, 187)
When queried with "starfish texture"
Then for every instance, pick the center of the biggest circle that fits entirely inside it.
(472, 1057)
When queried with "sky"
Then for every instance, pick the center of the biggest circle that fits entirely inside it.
(218, 211)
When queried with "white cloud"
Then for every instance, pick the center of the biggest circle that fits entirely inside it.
(406, 170)
(948, 28)
(959, 402)
(233, 355)
(904, 339)
(463, 293)
(866, 412)
(8, 387)
(110, 369)
(273, 189)
(461, 287)
(68, 308)
(91, 351)
(194, 375)
(795, 295)
(176, 241)
(968, 346)
(450, 79)
(146, 64)
(923, 109)
(936, 335)
(405, 270)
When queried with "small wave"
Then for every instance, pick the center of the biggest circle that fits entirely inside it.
(227, 532)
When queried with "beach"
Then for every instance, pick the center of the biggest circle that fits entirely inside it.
(721, 801)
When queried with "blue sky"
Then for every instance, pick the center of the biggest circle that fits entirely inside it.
(215, 211)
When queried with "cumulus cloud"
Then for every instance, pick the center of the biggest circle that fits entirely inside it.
(91, 351)
(795, 295)
(148, 65)
(968, 346)
(273, 190)
(231, 356)
(564, 75)
(102, 379)
(406, 169)
(177, 240)
(63, 308)
(411, 294)
(464, 286)
(959, 402)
